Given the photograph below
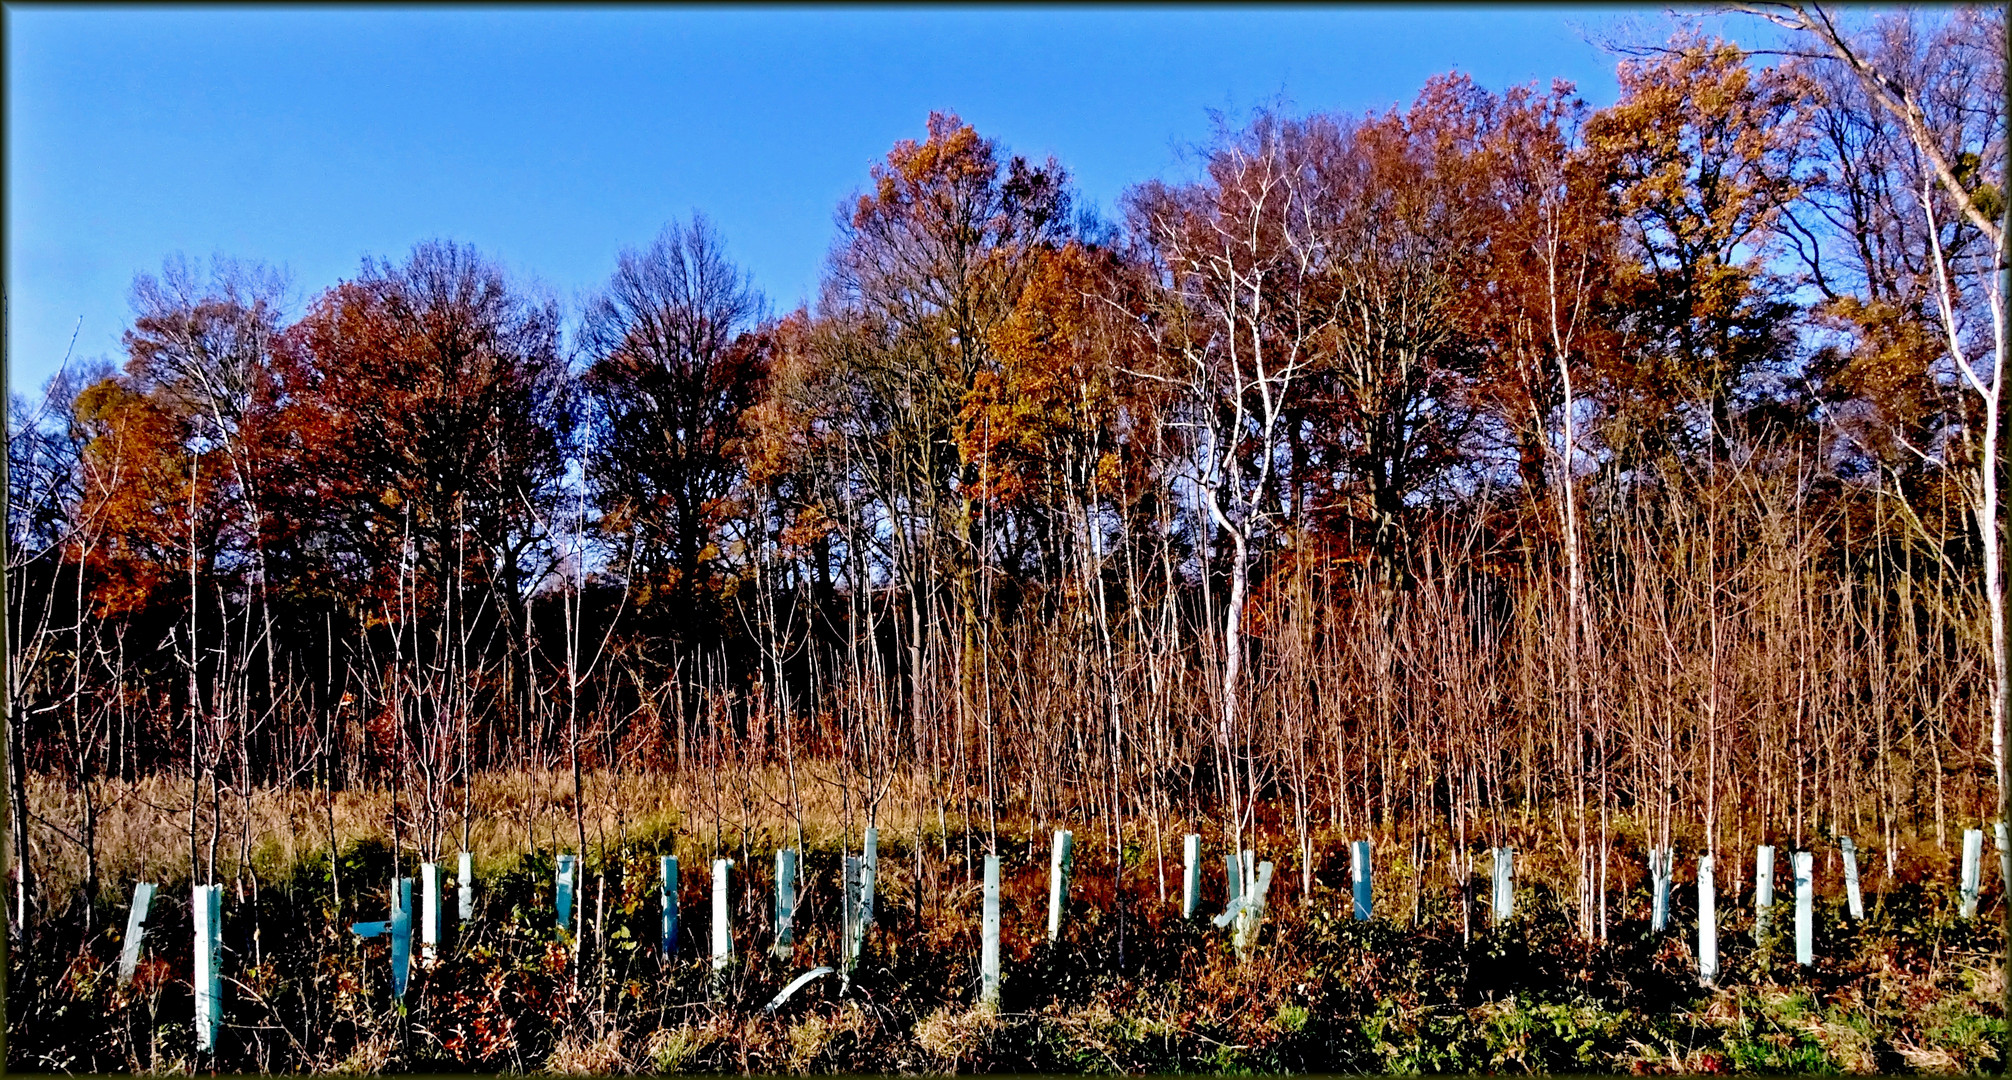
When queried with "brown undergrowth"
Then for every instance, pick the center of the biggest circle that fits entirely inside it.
(1131, 987)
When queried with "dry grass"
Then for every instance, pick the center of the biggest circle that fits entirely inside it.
(580, 1056)
(143, 827)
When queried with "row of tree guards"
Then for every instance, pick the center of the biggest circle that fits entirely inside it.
(1248, 882)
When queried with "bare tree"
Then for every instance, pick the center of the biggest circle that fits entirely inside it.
(671, 369)
(1242, 256)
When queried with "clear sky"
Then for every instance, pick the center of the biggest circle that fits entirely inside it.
(551, 139)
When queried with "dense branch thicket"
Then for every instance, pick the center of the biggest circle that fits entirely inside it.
(1495, 469)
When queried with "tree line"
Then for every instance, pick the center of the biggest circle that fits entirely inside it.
(1490, 467)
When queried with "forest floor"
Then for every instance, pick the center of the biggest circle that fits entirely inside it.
(1130, 987)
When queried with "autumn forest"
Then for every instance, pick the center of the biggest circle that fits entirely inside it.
(1493, 470)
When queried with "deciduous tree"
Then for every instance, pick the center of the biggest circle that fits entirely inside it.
(673, 364)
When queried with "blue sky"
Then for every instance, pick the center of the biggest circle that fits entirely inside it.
(309, 138)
